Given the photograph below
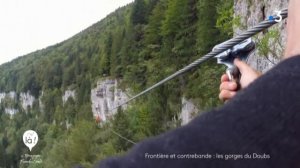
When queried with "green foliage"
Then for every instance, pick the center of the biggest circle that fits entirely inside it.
(264, 48)
(153, 30)
(225, 19)
(120, 124)
(51, 100)
(207, 31)
(141, 44)
(77, 148)
(197, 88)
(138, 12)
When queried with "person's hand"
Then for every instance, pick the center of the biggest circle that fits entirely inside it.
(228, 89)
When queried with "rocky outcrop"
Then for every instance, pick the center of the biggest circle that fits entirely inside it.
(26, 100)
(41, 104)
(68, 94)
(2, 96)
(11, 111)
(10, 95)
(250, 13)
(105, 97)
(187, 109)
(9, 98)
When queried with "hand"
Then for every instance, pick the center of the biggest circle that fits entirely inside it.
(228, 89)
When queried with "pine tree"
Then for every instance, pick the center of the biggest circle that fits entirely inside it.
(120, 125)
(138, 12)
(208, 34)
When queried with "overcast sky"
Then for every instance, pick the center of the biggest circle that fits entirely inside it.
(29, 25)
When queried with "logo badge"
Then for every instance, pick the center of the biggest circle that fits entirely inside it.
(30, 139)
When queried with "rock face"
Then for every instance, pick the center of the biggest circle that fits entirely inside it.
(9, 97)
(11, 111)
(250, 13)
(67, 95)
(2, 96)
(187, 109)
(41, 104)
(12, 95)
(105, 97)
(26, 100)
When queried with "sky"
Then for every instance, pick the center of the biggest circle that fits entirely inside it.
(30, 25)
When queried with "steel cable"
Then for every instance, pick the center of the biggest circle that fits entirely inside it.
(217, 50)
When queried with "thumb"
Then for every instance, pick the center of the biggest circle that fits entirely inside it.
(242, 66)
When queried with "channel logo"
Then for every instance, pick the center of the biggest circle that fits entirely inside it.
(30, 139)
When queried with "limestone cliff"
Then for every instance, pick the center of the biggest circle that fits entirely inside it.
(187, 110)
(250, 13)
(105, 97)
(269, 44)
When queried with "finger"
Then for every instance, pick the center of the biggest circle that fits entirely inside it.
(242, 66)
(224, 78)
(231, 86)
(225, 95)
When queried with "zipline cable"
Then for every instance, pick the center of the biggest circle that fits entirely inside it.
(217, 50)
(119, 135)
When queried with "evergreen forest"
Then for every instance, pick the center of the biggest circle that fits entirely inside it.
(139, 44)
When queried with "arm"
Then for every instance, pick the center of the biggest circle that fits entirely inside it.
(262, 118)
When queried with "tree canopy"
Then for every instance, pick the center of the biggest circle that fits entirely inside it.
(140, 44)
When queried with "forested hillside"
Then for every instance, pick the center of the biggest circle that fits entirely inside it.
(139, 44)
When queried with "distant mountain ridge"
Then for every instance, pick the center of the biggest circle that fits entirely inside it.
(11, 73)
(70, 83)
